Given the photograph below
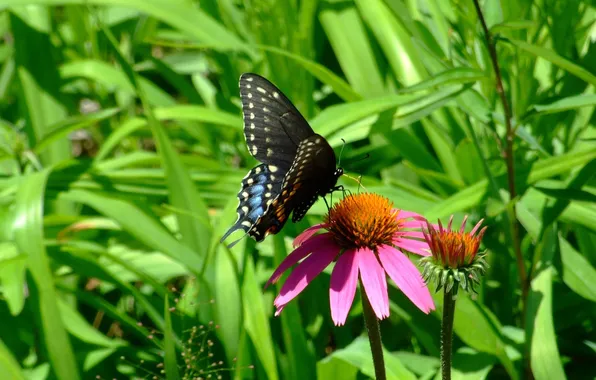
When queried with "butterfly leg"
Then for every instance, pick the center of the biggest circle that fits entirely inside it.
(327, 204)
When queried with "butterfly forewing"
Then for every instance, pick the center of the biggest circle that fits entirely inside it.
(273, 127)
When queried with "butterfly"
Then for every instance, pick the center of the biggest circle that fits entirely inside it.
(297, 165)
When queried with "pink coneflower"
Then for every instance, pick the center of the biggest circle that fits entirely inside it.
(364, 237)
(454, 256)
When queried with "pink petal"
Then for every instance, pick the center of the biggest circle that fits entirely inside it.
(343, 286)
(306, 271)
(415, 246)
(476, 227)
(407, 277)
(307, 233)
(374, 282)
(408, 214)
(463, 224)
(410, 234)
(297, 255)
(279, 310)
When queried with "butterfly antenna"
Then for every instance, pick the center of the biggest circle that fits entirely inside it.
(340, 153)
(358, 180)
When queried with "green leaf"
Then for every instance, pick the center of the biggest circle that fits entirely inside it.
(544, 354)
(256, 322)
(12, 277)
(301, 359)
(179, 14)
(457, 75)
(555, 59)
(79, 327)
(568, 194)
(326, 76)
(349, 42)
(194, 224)
(199, 113)
(480, 329)
(566, 104)
(61, 129)
(28, 234)
(170, 362)
(9, 366)
(577, 271)
(358, 355)
(144, 228)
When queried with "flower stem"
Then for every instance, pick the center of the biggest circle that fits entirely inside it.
(510, 162)
(374, 337)
(447, 333)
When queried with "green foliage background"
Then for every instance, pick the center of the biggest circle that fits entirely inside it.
(122, 151)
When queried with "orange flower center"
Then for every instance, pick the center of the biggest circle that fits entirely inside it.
(454, 249)
(362, 220)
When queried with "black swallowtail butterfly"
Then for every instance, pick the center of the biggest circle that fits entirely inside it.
(297, 166)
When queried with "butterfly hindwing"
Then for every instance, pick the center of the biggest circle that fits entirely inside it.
(259, 188)
(273, 127)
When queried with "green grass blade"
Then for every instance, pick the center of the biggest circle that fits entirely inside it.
(8, 364)
(143, 227)
(256, 322)
(544, 354)
(28, 234)
(349, 41)
(194, 225)
(557, 60)
(170, 362)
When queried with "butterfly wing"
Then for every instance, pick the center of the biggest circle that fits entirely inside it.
(259, 187)
(312, 173)
(273, 127)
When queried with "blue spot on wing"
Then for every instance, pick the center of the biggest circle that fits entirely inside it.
(251, 208)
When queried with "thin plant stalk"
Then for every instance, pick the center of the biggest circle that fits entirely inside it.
(374, 336)
(509, 159)
(447, 333)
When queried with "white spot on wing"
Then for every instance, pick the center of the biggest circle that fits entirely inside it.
(261, 89)
(269, 152)
(246, 223)
(249, 79)
(250, 105)
(254, 150)
(248, 86)
(252, 126)
(252, 137)
(275, 94)
(257, 170)
(252, 116)
(244, 209)
(272, 168)
(250, 181)
(249, 95)
(265, 109)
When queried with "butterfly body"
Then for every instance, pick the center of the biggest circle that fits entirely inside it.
(297, 166)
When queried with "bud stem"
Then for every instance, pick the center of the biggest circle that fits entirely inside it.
(447, 332)
(374, 336)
